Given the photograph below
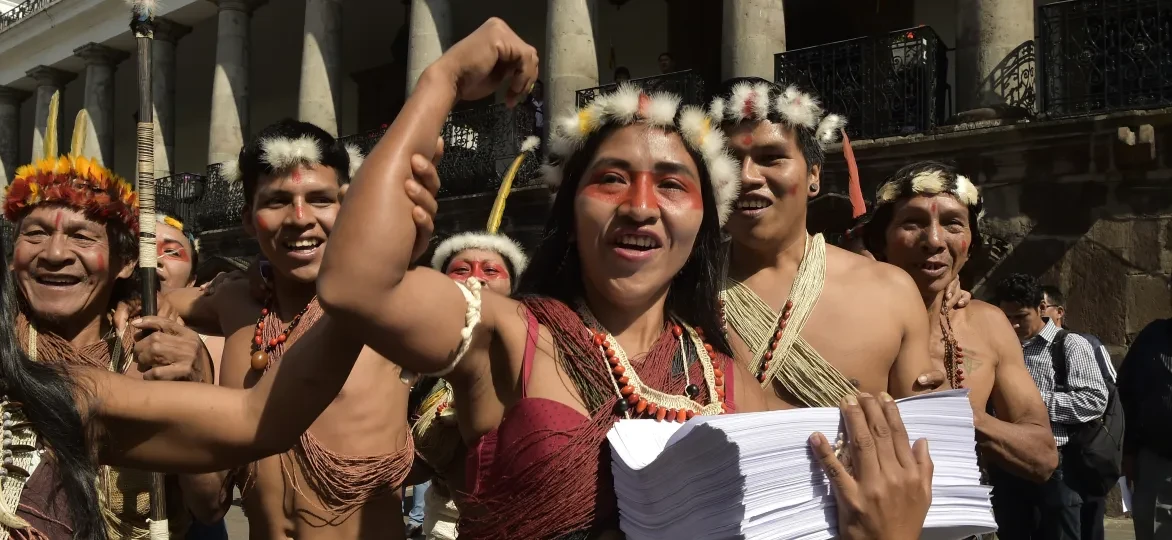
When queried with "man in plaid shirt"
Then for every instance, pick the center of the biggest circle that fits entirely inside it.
(1052, 509)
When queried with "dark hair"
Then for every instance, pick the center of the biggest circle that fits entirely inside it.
(47, 395)
(665, 53)
(622, 70)
(1054, 294)
(807, 139)
(333, 153)
(186, 232)
(875, 230)
(555, 270)
(1021, 289)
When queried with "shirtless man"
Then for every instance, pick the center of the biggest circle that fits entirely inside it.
(846, 323)
(293, 175)
(926, 222)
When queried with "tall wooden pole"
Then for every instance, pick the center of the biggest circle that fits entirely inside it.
(142, 23)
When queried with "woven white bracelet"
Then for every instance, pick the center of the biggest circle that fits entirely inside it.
(471, 292)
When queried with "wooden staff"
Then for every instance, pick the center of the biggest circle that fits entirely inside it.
(142, 23)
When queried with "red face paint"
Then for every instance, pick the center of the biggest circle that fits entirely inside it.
(57, 221)
(747, 140)
(643, 189)
(934, 209)
(793, 190)
(174, 251)
(462, 269)
(747, 110)
(299, 210)
(644, 103)
(964, 246)
(297, 175)
(101, 262)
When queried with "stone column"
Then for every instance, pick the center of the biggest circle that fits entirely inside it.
(100, 62)
(229, 124)
(994, 53)
(753, 31)
(10, 100)
(319, 99)
(430, 35)
(167, 34)
(572, 60)
(49, 80)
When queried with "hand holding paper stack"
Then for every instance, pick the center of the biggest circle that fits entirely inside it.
(754, 476)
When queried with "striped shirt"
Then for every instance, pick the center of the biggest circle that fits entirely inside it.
(1085, 396)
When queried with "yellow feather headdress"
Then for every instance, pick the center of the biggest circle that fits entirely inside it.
(72, 180)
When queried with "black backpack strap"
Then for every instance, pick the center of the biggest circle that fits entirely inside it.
(1058, 358)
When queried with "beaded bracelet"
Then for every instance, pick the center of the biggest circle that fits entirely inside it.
(471, 290)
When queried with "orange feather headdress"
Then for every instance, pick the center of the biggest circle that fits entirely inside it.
(71, 180)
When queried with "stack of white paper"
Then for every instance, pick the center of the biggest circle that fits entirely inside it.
(754, 475)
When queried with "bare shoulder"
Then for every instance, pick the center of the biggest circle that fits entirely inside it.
(864, 274)
(988, 318)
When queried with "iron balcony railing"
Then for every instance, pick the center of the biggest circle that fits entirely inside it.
(1105, 55)
(220, 205)
(687, 84)
(22, 10)
(179, 195)
(892, 84)
(479, 144)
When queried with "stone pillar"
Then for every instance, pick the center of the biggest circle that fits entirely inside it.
(229, 124)
(994, 54)
(319, 99)
(572, 60)
(49, 80)
(100, 62)
(754, 31)
(10, 100)
(167, 34)
(430, 35)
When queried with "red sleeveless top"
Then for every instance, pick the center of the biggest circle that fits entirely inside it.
(536, 428)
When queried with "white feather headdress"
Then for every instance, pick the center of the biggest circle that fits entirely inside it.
(284, 153)
(630, 105)
(749, 101)
(496, 243)
(931, 181)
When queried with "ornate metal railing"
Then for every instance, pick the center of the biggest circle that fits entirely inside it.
(219, 207)
(179, 196)
(687, 84)
(885, 85)
(22, 10)
(479, 145)
(1105, 55)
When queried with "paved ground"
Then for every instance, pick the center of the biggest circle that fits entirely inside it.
(1117, 529)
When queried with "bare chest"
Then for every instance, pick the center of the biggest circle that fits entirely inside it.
(977, 359)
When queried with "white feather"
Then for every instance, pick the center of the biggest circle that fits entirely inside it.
(928, 183)
(741, 94)
(761, 101)
(623, 104)
(726, 183)
(356, 159)
(887, 192)
(282, 153)
(551, 175)
(714, 143)
(661, 111)
(829, 128)
(143, 7)
(966, 191)
(230, 171)
(497, 243)
(716, 109)
(692, 124)
(530, 144)
(799, 108)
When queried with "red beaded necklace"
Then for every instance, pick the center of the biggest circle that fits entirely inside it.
(781, 324)
(953, 353)
(650, 403)
(260, 357)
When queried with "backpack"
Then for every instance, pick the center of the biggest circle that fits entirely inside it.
(1094, 453)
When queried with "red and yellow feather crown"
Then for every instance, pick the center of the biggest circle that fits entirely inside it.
(71, 180)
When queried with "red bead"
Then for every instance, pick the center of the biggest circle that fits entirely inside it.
(623, 381)
(612, 360)
(789, 304)
(273, 342)
(677, 331)
(761, 377)
(959, 349)
(681, 416)
(281, 338)
(257, 333)
(720, 393)
(599, 339)
(609, 352)
(768, 355)
(708, 348)
(777, 337)
(627, 390)
(670, 416)
(959, 355)
(641, 406)
(652, 409)
(258, 340)
(691, 415)
(718, 381)
(260, 325)
(717, 372)
(784, 323)
(724, 407)
(660, 414)
(633, 399)
(264, 312)
(619, 370)
(699, 331)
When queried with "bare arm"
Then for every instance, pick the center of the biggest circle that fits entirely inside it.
(197, 309)
(208, 496)
(414, 317)
(191, 427)
(913, 363)
(1019, 437)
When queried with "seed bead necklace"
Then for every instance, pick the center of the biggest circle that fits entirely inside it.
(262, 351)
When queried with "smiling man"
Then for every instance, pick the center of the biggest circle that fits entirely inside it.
(341, 480)
(790, 297)
(927, 222)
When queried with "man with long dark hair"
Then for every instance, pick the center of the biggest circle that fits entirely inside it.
(927, 221)
(341, 480)
(789, 295)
